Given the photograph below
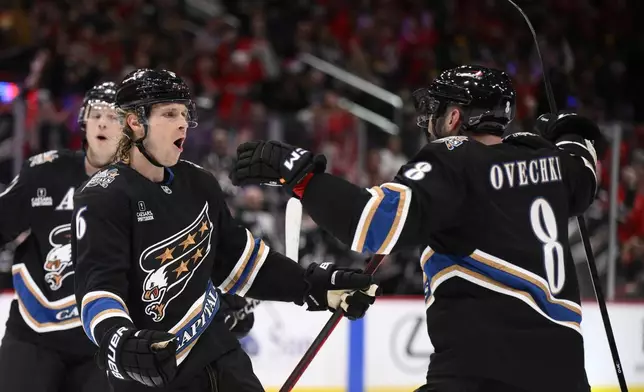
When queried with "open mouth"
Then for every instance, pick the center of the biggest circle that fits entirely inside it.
(179, 143)
(101, 137)
(151, 294)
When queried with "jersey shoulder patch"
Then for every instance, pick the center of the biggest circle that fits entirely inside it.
(451, 142)
(45, 157)
(102, 178)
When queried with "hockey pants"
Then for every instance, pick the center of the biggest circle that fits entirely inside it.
(233, 372)
(25, 366)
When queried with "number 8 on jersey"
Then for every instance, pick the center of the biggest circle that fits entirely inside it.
(544, 225)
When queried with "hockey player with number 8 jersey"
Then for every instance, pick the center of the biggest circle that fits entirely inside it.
(491, 215)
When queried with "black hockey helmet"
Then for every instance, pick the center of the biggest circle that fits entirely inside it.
(485, 96)
(144, 87)
(103, 94)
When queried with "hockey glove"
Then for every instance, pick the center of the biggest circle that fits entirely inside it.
(145, 356)
(274, 163)
(331, 287)
(553, 128)
(238, 314)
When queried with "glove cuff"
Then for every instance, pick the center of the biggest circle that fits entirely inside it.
(315, 165)
(110, 347)
(298, 189)
(316, 278)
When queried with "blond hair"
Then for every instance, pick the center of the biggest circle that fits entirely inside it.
(126, 143)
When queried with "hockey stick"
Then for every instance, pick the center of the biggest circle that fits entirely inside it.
(324, 334)
(293, 224)
(583, 231)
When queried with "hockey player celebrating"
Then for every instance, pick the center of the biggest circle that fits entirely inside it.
(503, 307)
(153, 240)
(44, 334)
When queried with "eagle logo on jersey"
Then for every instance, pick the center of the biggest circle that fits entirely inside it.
(451, 142)
(58, 263)
(171, 263)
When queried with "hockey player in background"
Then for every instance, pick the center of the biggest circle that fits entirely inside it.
(153, 241)
(491, 212)
(44, 348)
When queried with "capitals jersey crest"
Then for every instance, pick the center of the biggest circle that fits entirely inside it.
(58, 263)
(171, 263)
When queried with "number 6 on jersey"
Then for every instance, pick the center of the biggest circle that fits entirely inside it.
(544, 225)
(81, 225)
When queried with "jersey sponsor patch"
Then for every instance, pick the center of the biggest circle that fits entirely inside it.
(144, 215)
(451, 142)
(45, 157)
(171, 263)
(41, 199)
(103, 178)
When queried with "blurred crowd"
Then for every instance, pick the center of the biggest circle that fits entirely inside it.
(242, 60)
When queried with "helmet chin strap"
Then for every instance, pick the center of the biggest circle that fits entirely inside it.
(139, 145)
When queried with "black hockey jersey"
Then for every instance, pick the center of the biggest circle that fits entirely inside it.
(151, 256)
(500, 286)
(40, 199)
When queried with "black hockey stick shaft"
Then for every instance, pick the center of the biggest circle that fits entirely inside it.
(324, 334)
(602, 304)
(581, 222)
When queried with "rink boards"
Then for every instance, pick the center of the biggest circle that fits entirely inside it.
(388, 350)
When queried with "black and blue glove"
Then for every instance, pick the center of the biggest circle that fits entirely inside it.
(145, 356)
